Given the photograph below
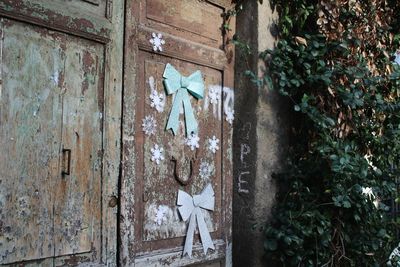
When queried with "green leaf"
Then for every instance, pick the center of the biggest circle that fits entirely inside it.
(320, 230)
(346, 204)
(270, 244)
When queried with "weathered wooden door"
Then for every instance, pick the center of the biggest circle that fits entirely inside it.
(188, 35)
(60, 88)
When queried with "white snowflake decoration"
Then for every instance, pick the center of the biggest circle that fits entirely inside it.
(205, 170)
(157, 101)
(157, 42)
(214, 94)
(160, 214)
(149, 125)
(157, 154)
(230, 115)
(193, 141)
(213, 144)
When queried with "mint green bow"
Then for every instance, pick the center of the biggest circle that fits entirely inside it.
(176, 83)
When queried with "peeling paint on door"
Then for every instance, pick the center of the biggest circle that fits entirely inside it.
(60, 72)
(152, 230)
(52, 97)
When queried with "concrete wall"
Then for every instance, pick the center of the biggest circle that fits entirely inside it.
(259, 139)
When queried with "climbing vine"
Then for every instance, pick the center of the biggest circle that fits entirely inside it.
(335, 62)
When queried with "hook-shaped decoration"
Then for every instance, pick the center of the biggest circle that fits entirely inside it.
(178, 171)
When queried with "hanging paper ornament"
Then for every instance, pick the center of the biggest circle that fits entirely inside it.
(230, 115)
(157, 154)
(205, 170)
(214, 94)
(182, 86)
(193, 141)
(190, 209)
(160, 213)
(157, 41)
(213, 144)
(149, 125)
(157, 101)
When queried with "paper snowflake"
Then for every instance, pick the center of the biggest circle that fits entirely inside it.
(160, 214)
(213, 144)
(157, 42)
(214, 94)
(149, 125)
(230, 115)
(157, 154)
(205, 170)
(193, 141)
(157, 101)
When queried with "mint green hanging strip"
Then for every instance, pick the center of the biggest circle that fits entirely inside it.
(183, 86)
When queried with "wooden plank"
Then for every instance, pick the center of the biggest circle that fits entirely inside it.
(47, 262)
(56, 15)
(77, 221)
(227, 142)
(211, 264)
(195, 21)
(95, 8)
(93, 2)
(30, 127)
(180, 48)
(173, 257)
(112, 135)
(197, 17)
(77, 259)
(127, 196)
(226, 4)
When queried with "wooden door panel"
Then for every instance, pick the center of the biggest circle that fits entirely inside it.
(189, 51)
(97, 7)
(30, 127)
(52, 98)
(159, 186)
(87, 18)
(78, 197)
(93, 7)
(201, 21)
(60, 88)
(152, 230)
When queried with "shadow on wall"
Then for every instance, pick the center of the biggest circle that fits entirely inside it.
(259, 138)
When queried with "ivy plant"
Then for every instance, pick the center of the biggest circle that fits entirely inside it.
(334, 62)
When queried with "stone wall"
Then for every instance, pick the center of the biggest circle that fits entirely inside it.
(259, 139)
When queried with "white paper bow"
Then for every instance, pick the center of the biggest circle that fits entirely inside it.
(191, 207)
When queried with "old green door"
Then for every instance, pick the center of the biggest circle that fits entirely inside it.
(60, 87)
